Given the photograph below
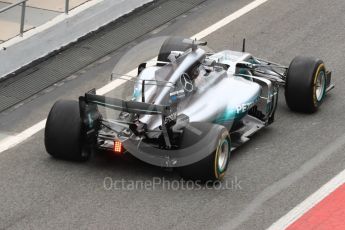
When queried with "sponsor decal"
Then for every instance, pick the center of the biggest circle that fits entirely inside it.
(242, 108)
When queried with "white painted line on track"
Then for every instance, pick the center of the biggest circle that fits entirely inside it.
(284, 183)
(309, 203)
(12, 141)
(232, 17)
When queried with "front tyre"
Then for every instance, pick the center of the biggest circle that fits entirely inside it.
(305, 87)
(63, 137)
(214, 166)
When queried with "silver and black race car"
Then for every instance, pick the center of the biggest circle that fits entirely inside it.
(187, 111)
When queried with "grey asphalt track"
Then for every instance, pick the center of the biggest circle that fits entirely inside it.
(275, 171)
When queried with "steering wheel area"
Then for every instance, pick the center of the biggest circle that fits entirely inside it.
(186, 83)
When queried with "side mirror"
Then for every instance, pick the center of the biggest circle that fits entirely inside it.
(244, 65)
(141, 67)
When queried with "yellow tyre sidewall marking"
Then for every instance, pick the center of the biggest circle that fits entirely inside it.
(315, 101)
(215, 166)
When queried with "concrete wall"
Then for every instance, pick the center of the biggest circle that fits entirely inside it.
(61, 31)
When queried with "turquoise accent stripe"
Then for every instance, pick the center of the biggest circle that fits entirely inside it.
(232, 113)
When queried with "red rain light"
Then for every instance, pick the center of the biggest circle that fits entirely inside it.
(118, 148)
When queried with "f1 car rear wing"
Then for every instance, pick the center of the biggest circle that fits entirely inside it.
(90, 115)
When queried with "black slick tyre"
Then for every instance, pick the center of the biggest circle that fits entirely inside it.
(214, 166)
(63, 132)
(305, 84)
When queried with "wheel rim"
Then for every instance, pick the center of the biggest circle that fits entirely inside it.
(223, 156)
(320, 85)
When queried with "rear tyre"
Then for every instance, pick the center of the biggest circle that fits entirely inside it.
(214, 166)
(305, 84)
(171, 44)
(63, 132)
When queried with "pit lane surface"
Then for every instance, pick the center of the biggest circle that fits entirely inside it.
(279, 168)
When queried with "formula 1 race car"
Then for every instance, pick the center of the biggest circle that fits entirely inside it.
(187, 111)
